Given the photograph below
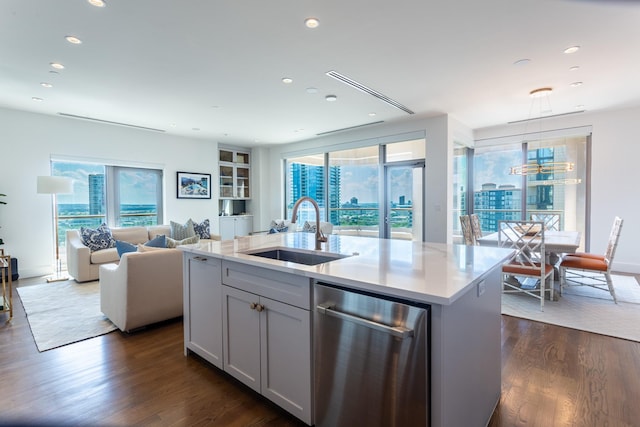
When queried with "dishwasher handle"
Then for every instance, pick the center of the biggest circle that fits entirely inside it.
(396, 331)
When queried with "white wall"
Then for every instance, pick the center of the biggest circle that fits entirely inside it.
(438, 148)
(615, 176)
(29, 140)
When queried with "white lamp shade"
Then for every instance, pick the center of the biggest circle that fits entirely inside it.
(54, 185)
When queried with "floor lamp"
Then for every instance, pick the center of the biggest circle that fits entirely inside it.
(55, 185)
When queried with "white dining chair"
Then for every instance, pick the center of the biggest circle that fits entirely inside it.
(526, 238)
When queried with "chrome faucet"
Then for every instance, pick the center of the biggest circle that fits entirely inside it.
(319, 236)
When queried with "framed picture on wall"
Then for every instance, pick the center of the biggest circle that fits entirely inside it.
(193, 185)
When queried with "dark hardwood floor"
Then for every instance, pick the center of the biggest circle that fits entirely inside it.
(552, 376)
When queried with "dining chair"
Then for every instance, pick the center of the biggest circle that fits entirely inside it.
(526, 238)
(467, 233)
(476, 228)
(551, 221)
(591, 269)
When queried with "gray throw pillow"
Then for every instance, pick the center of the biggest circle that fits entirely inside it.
(172, 243)
(180, 231)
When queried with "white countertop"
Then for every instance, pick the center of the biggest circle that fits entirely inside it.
(424, 272)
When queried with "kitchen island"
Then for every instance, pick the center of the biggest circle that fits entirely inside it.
(271, 348)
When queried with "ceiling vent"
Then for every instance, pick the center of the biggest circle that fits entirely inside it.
(349, 128)
(93, 119)
(354, 84)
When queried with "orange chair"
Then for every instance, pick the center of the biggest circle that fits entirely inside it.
(528, 260)
(594, 270)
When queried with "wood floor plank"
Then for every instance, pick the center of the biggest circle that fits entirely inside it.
(551, 376)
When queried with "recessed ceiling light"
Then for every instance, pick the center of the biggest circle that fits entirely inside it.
(372, 114)
(538, 93)
(97, 3)
(287, 80)
(57, 65)
(45, 84)
(173, 125)
(572, 49)
(574, 68)
(579, 107)
(331, 98)
(35, 98)
(312, 90)
(576, 84)
(73, 40)
(311, 22)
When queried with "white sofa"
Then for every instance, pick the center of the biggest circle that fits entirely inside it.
(83, 265)
(145, 288)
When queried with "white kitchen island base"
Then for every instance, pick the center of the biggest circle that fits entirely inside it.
(460, 284)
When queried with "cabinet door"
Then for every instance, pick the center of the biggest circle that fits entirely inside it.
(244, 225)
(286, 357)
(241, 336)
(242, 182)
(203, 307)
(226, 181)
(227, 227)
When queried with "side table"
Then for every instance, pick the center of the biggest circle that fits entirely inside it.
(6, 302)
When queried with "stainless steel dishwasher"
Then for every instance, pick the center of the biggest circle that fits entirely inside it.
(371, 360)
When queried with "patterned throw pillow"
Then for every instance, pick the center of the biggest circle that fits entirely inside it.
(308, 227)
(278, 227)
(179, 231)
(172, 243)
(202, 229)
(96, 239)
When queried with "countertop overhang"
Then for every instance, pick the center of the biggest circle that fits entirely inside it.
(432, 273)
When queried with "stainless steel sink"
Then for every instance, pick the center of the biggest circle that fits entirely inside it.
(297, 256)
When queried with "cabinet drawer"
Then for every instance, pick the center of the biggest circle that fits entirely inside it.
(283, 287)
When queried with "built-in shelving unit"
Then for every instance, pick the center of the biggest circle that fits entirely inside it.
(235, 172)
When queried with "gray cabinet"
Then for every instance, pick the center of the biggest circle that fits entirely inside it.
(203, 307)
(267, 334)
(232, 226)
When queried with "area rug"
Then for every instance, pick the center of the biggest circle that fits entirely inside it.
(61, 313)
(586, 309)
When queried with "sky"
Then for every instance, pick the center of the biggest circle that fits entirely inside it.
(139, 186)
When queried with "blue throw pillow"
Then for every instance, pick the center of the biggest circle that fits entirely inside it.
(123, 247)
(96, 239)
(160, 241)
(278, 230)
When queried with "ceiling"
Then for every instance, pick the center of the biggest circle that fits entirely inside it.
(213, 69)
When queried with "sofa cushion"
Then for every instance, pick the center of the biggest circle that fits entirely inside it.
(145, 248)
(202, 230)
(133, 235)
(180, 231)
(98, 238)
(308, 227)
(123, 247)
(105, 256)
(156, 230)
(172, 243)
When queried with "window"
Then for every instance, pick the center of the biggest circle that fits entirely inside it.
(118, 196)
(501, 194)
(354, 192)
(306, 177)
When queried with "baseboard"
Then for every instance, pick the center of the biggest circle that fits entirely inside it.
(623, 267)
